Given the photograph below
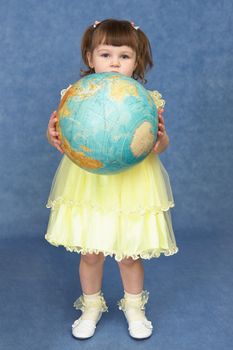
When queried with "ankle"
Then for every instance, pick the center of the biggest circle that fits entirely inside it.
(89, 302)
(133, 305)
(91, 296)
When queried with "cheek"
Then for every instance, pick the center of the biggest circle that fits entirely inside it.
(98, 67)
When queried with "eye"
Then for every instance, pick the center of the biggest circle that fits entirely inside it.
(125, 56)
(104, 55)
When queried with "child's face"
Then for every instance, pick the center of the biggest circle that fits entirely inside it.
(108, 58)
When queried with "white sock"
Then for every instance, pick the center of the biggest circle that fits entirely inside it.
(133, 307)
(93, 306)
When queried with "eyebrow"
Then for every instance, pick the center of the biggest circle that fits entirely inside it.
(122, 52)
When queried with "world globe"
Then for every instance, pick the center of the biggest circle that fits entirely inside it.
(107, 123)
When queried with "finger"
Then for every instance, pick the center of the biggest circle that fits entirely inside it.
(162, 127)
(60, 149)
(54, 118)
(161, 119)
(159, 134)
(53, 115)
(160, 111)
(54, 133)
(57, 142)
(157, 144)
(52, 122)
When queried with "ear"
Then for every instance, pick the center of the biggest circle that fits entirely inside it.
(89, 59)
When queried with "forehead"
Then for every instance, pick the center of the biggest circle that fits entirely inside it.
(116, 49)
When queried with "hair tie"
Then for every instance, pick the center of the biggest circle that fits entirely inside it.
(133, 25)
(95, 24)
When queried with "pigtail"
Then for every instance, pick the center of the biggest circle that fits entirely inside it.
(86, 45)
(144, 57)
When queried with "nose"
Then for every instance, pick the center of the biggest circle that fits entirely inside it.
(115, 62)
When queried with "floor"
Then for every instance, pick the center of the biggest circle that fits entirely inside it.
(190, 302)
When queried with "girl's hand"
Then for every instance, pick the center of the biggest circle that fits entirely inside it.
(162, 137)
(52, 134)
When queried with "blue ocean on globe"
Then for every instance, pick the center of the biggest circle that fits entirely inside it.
(107, 123)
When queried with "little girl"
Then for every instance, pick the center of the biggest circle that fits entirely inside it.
(125, 215)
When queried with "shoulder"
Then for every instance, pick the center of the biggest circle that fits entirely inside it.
(157, 97)
(63, 91)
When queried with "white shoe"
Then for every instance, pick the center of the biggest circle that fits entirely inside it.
(92, 306)
(133, 307)
(140, 329)
(84, 329)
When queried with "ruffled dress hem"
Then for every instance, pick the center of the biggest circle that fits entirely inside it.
(56, 203)
(149, 254)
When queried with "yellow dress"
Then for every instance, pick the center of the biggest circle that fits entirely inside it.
(121, 215)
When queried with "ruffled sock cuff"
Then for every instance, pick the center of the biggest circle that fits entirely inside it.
(91, 301)
(134, 300)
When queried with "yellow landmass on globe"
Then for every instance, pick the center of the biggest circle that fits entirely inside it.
(76, 90)
(120, 89)
(62, 108)
(143, 139)
(85, 148)
(88, 91)
(80, 158)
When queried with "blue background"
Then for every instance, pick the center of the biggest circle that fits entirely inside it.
(192, 48)
(193, 56)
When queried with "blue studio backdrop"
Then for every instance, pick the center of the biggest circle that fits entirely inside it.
(192, 49)
(193, 70)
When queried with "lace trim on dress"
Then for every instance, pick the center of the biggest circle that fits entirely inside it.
(55, 204)
(63, 91)
(80, 304)
(149, 254)
(160, 103)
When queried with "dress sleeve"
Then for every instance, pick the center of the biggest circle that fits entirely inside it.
(157, 97)
(63, 91)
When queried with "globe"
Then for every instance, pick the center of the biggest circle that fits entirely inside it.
(107, 123)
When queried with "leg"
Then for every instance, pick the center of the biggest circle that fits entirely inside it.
(132, 275)
(91, 272)
(91, 303)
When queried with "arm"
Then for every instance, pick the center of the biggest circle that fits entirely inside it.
(162, 137)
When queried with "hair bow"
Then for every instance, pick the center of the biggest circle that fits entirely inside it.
(133, 25)
(95, 24)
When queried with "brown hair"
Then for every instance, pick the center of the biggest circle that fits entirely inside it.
(117, 33)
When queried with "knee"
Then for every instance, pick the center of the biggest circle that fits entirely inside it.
(92, 259)
(127, 262)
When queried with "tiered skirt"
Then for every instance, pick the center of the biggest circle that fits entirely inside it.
(121, 215)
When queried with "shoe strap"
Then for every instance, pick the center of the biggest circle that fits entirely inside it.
(137, 325)
(84, 323)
